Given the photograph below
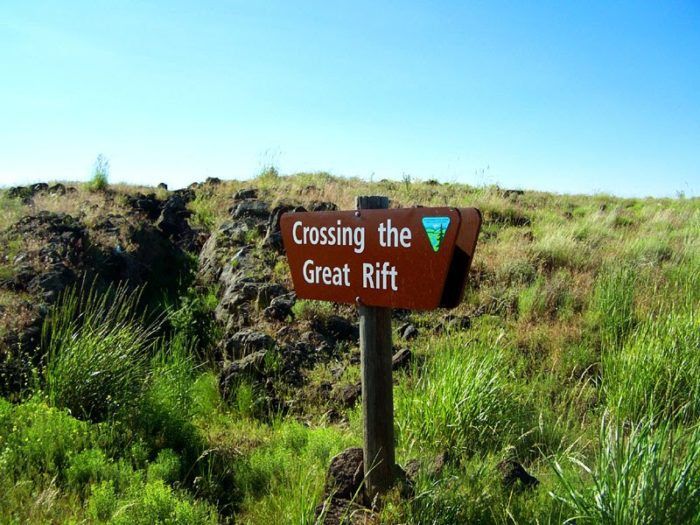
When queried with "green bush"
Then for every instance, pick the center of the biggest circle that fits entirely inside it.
(103, 502)
(203, 211)
(193, 318)
(166, 410)
(6, 412)
(100, 174)
(149, 504)
(37, 440)
(649, 473)
(268, 176)
(166, 467)
(97, 348)
(462, 402)
(306, 310)
(88, 466)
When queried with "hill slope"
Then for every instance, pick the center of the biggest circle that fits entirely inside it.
(156, 364)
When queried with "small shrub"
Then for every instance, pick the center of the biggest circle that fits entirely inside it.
(203, 211)
(252, 236)
(100, 174)
(499, 299)
(506, 216)
(38, 440)
(305, 310)
(166, 467)
(193, 319)
(103, 501)
(281, 270)
(86, 467)
(591, 232)
(137, 453)
(166, 409)
(516, 271)
(268, 177)
(620, 219)
(97, 349)
(649, 251)
(154, 503)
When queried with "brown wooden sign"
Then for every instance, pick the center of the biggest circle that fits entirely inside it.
(415, 258)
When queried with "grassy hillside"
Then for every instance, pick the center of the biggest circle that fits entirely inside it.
(575, 356)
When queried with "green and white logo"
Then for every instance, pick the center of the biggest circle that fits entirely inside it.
(436, 228)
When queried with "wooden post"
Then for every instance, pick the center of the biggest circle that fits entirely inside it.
(377, 388)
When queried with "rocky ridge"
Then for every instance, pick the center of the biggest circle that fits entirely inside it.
(144, 238)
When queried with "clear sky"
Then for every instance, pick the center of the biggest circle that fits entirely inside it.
(562, 96)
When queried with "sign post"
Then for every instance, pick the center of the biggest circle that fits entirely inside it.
(377, 388)
(379, 259)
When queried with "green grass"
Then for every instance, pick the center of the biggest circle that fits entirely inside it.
(175, 396)
(283, 479)
(581, 363)
(10, 248)
(613, 304)
(37, 441)
(192, 317)
(649, 473)
(559, 250)
(463, 401)
(97, 349)
(10, 210)
(203, 212)
(548, 298)
(656, 371)
(153, 502)
(472, 493)
(52, 469)
(306, 310)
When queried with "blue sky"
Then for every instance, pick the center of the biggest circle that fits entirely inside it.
(565, 96)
